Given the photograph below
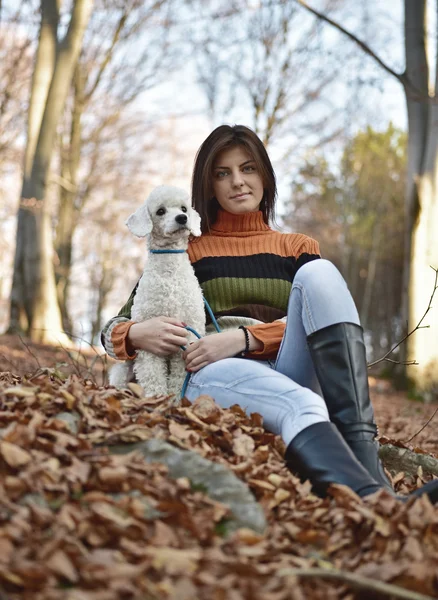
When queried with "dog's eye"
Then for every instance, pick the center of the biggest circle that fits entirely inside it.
(183, 208)
(161, 212)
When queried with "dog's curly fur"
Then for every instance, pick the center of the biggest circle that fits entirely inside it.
(168, 287)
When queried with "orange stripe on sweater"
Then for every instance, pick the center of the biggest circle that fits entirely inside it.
(282, 244)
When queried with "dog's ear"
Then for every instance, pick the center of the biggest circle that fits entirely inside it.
(195, 223)
(140, 222)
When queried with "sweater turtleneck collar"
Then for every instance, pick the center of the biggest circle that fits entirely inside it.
(251, 223)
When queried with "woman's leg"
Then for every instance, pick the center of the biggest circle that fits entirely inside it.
(286, 407)
(315, 449)
(319, 298)
(323, 349)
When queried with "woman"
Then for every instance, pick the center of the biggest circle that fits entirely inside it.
(306, 373)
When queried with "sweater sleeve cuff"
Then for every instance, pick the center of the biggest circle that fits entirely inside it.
(119, 338)
(270, 335)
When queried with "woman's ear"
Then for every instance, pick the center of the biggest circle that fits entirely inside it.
(140, 222)
(195, 223)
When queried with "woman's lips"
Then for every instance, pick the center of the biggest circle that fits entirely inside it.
(240, 196)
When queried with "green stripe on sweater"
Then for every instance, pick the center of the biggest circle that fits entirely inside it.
(227, 292)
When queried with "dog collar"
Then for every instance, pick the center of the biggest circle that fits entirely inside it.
(166, 251)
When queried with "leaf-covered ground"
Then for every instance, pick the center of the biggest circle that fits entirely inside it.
(78, 523)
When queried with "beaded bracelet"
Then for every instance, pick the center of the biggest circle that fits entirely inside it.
(245, 331)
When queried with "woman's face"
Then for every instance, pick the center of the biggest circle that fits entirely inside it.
(237, 185)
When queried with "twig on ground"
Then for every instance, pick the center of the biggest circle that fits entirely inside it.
(424, 427)
(355, 581)
(72, 361)
(88, 369)
(418, 326)
(13, 365)
(398, 362)
(30, 351)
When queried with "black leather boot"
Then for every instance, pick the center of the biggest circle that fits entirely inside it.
(320, 454)
(339, 357)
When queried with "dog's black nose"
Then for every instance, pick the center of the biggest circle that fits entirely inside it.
(181, 219)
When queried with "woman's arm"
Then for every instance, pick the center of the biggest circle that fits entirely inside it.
(121, 337)
(160, 335)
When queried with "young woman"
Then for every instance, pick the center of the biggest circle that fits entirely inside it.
(291, 346)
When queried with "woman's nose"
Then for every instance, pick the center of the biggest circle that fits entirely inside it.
(237, 178)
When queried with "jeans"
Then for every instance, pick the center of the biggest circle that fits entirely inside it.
(286, 394)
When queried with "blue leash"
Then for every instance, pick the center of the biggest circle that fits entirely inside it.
(166, 251)
(218, 329)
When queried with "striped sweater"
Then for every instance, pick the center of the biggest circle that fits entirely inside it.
(246, 271)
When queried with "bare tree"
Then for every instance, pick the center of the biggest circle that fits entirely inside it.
(421, 203)
(34, 305)
(108, 78)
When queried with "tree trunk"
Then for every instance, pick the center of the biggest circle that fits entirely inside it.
(421, 207)
(34, 287)
(68, 212)
(21, 294)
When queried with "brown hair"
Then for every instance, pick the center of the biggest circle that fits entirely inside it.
(222, 138)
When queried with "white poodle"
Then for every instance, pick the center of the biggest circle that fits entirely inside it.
(168, 287)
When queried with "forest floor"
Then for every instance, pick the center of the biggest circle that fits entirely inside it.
(73, 522)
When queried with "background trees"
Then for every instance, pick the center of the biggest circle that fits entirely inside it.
(150, 80)
(34, 305)
(355, 210)
(419, 82)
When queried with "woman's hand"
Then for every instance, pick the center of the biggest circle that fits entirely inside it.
(162, 336)
(216, 347)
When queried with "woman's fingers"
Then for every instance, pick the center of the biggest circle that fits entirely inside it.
(197, 367)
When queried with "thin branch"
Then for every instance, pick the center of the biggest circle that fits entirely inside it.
(400, 362)
(63, 182)
(418, 326)
(30, 351)
(108, 56)
(424, 427)
(401, 77)
(355, 581)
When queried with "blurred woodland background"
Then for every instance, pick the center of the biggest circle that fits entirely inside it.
(101, 101)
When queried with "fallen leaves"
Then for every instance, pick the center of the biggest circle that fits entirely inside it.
(13, 455)
(77, 523)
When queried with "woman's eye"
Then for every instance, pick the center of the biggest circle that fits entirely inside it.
(183, 208)
(161, 212)
(249, 169)
(220, 174)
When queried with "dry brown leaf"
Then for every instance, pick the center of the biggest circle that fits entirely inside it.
(111, 514)
(113, 475)
(412, 549)
(13, 455)
(174, 561)
(264, 485)
(181, 432)
(275, 479)
(206, 409)
(60, 564)
(248, 536)
(243, 445)
(20, 392)
(136, 389)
